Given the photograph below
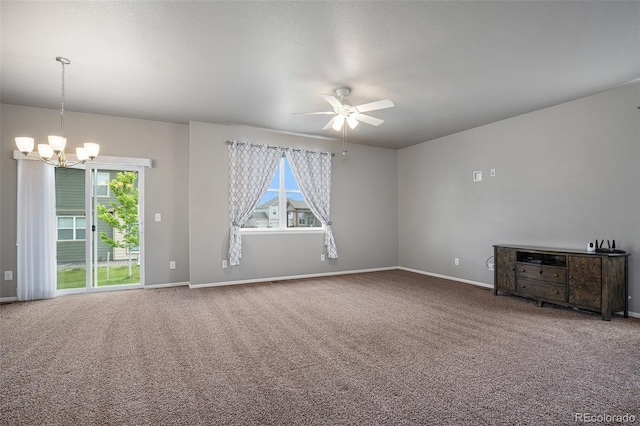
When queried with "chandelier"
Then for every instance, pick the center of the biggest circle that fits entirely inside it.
(53, 152)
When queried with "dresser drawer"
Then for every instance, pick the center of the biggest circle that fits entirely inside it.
(550, 274)
(551, 292)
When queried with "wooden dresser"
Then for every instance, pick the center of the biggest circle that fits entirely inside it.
(590, 281)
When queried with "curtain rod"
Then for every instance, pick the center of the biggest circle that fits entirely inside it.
(279, 147)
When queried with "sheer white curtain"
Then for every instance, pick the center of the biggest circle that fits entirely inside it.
(312, 171)
(37, 275)
(251, 168)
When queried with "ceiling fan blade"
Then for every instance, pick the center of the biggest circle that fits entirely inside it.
(333, 101)
(367, 119)
(330, 123)
(372, 106)
(314, 113)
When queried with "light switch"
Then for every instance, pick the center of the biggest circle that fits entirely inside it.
(158, 217)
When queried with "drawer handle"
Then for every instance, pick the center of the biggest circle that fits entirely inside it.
(524, 286)
(522, 270)
(557, 291)
(556, 275)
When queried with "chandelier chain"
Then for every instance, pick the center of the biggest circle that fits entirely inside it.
(62, 105)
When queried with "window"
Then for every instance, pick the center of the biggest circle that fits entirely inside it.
(283, 195)
(102, 184)
(71, 228)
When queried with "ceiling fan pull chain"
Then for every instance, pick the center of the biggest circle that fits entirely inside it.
(344, 141)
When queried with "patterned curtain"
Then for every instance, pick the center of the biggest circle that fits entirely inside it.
(251, 168)
(312, 171)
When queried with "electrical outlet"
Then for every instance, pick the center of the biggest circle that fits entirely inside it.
(8, 275)
(322, 258)
(493, 172)
(172, 264)
(456, 261)
(158, 217)
(224, 264)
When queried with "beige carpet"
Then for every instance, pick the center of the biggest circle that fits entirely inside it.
(381, 348)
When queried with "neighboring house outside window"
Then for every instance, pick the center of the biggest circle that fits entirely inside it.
(71, 228)
(283, 186)
(71, 216)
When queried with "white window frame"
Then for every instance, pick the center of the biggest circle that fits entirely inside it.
(107, 185)
(74, 228)
(282, 207)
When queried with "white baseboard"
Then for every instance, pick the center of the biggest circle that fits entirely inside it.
(295, 277)
(290, 277)
(180, 284)
(446, 277)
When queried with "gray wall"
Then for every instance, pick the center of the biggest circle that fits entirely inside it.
(165, 184)
(565, 176)
(363, 211)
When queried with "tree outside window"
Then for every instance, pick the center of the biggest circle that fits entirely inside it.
(122, 214)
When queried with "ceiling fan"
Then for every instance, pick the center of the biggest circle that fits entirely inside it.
(352, 115)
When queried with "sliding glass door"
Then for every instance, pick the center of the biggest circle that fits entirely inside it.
(71, 228)
(98, 213)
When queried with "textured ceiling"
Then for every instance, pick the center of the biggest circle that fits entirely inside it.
(448, 66)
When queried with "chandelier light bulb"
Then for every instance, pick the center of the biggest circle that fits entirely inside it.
(45, 151)
(92, 149)
(81, 154)
(25, 144)
(58, 143)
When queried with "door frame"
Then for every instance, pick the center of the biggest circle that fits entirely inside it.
(111, 163)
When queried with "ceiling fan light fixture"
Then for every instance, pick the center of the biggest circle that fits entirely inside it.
(353, 115)
(352, 122)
